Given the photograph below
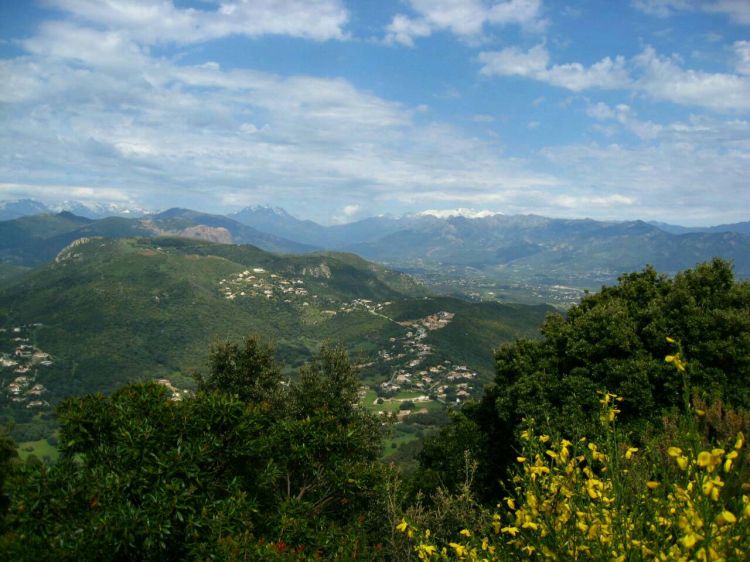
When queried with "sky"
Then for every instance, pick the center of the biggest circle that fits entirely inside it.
(340, 109)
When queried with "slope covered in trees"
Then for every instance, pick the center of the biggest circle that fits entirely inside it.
(619, 435)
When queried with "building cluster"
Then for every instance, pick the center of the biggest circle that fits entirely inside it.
(257, 282)
(20, 362)
(412, 370)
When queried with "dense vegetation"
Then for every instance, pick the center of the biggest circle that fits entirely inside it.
(116, 311)
(614, 341)
(620, 435)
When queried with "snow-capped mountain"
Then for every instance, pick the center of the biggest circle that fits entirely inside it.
(10, 210)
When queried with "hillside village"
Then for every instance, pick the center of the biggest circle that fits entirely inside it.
(20, 362)
(414, 371)
(407, 360)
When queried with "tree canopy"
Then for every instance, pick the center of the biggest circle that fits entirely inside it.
(249, 466)
(614, 341)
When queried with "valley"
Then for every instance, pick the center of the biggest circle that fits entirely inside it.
(111, 311)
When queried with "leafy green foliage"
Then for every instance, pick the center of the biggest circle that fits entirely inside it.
(218, 474)
(248, 372)
(614, 340)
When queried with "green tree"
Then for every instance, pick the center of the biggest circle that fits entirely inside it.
(614, 340)
(8, 454)
(231, 472)
(248, 371)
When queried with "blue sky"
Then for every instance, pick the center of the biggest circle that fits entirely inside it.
(337, 110)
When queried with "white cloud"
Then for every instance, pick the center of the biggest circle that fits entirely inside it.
(666, 179)
(466, 19)
(160, 21)
(663, 78)
(588, 201)
(119, 118)
(625, 116)
(737, 10)
(657, 76)
(742, 50)
(56, 193)
(535, 64)
(662, 8)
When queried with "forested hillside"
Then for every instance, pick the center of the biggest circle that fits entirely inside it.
(618, 435)
(106, 312)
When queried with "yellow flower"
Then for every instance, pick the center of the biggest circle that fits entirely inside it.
(511, 503)
(425, 550)
(726, 518)
(682, 462)
(521, 459)
(402, 526)
(712, 487)
(629, 452)
(465, 532)
(652, 485)
(674, 451)
(704, 458)
(512, 531)
(740, 441)
(690, 540)
(729, 460)
(671, 340)
(459, 548)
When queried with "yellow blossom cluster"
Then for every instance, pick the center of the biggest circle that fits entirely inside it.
(579, 501)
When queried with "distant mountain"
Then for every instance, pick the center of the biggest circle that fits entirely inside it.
(33, 240)
(21, 208)
(580, 252)
(280, 223)
(583, 253)
(739, 227)
(29, 207)
(100, 210)
(111, 311)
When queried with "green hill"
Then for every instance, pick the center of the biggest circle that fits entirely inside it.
(34, 240)
(112, 311)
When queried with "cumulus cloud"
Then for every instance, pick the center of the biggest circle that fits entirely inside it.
(663, 78)
(535, 64)
(657, 76)
(625, 116)
(466, 19)
(152, 22)
(665, 179)
(742, 50)
(737, 10)
(94, 108)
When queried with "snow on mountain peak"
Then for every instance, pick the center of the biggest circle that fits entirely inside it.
(461, 212)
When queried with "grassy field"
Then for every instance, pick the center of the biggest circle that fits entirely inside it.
(40, 449)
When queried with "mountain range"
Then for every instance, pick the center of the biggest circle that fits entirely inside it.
(581, 253)
(29, 207)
